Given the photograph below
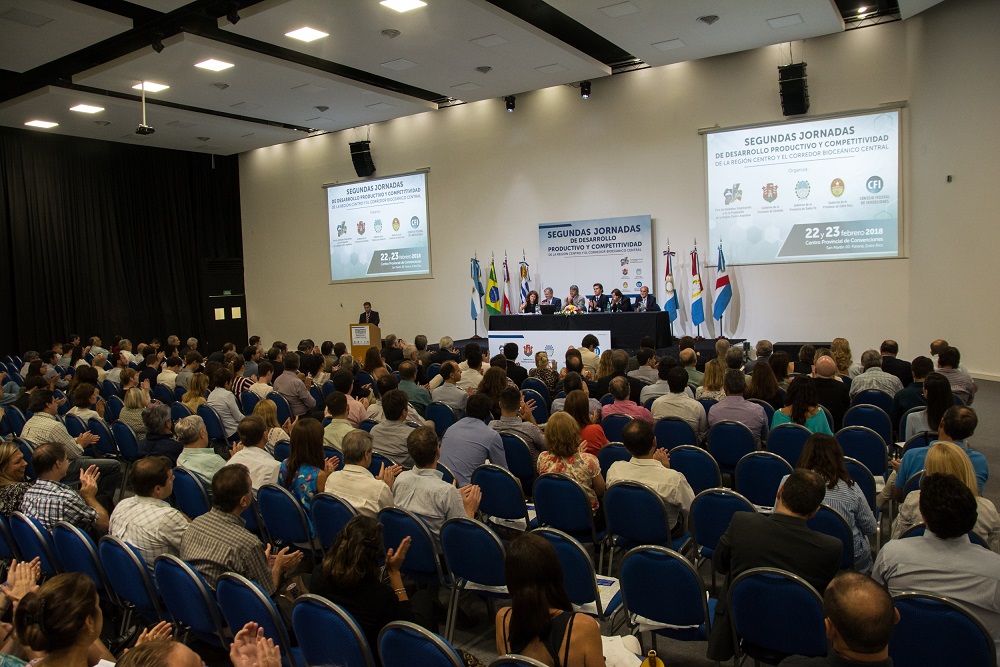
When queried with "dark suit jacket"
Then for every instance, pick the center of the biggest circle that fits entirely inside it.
(901, 369)
(623, 306)
(600, 302)
(516, 373)
(440, 356)
(635, 386)
(556, 301)
(651, 304)
(780, 541)
(835, 397)
(910, 397)
(374, 318)
(393, 356)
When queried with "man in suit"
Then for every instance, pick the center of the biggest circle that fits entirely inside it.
(516, 374)
(619, 303)
(619, 365)
(645, 301)
(894, 366)
(575, 298)
(600, 302)
(831, 391)
(369, 316)
(392, 353)
(550, 300)
(781, 540)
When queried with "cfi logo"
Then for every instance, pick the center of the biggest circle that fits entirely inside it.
(527, 349)
(770, 192)
(341, 229)
(395, 224)
(378, 226)
(361, 227)
(414, 222)
(733, 194)
(802, 189)
(874, 185)
(837, 187)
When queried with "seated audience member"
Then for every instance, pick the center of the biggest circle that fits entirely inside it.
(197, 391)
(418, 397)
(781, 540)
(591, 433)
(540, 622)
(224, 401)
(678, 404)
(762, 351)
(764, 387)
(274, 355)
(619, 389)
(131, 413)
(574, 364)
(389, 436)
(689, 360)
(357, 411)
(367, 493)
(962, 383)
(957, 425)
(235, 364)
(517, 374)
(120, 364)
(738, 409)
(778, 362)
(831, 390)
(542, 371)
(217, 542)
(588, 356)
(392, 352)
(473, 375)
(386, 382)
(944, 561)
(564, 454)
(351, 576)
(445, 352)
(912, 395)
(860, 618)
(651, 466)
(516, 418)
(334, 432)
(192, 365)
(267, 410)
(305, 470)
(575, 382)
(937, 398)
(722, 346)
(949, 459)
(197, 457)
(893, 366)
(146, 520)
(20, 397)
(619, 368)
(50, 501)
(734, 359)
(423, 354)
(422, 489)
(87, 403)
(822, 454)
(262, 466)
(252, 354)
(494, 381)
(712, 381)
(149, 370)
(295, 391)
(449, 392)
(168, 376)
(469, 441)
(45, 427)
(262, 387)
(646, 370)
(803, 365)
(12, 483)
(159, 440)
(873, 377)
(802, 407)
(660, 387)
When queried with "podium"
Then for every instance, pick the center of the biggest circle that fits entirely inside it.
(364, 336)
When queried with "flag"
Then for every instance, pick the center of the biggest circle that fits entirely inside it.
(697, 305)
(525, 287)
(506, 286)
(475, 311)
(670, 304)
(492, 291)
(477, 286)
(723, 290)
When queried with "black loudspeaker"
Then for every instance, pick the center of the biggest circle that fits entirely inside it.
(361, 155)
(794, 92)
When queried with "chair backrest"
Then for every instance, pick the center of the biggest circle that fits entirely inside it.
(282, 450)
(610, 453)
(162, 393)
(179, 392)
(243, 601)
(317, 395)
(361, 378)
(728, 442)
(560, 502)
(579, 574)
(190, 494)
(636, 515)
(113, 408)
(671, 432)
(8, 546)
(711, 512)
(607, 399)
(956, 632)
(776, 613)
(126, 439)
(367, 425)
(75, 425)
(518, 457)
(442, 416)
(768, 408)
(613, 426)
(865, 445)
(503, 496)
(873, 397)
(758, 476)
(213, 422)
(863, 477)
(14, 420)
(874, 418)
(27, 450)
(537, 385)
(34, 541)
(541, 409)
(474, 552)
(281, 403)
(913, 483)
(283, 515)
(329, 635)
(401, 644)
(787, 441)
(698, 467)
(130, 579)
(248, 401)
(189, 599)
(902, 420)
(108, 389)
(106, 444)
(831, 522)
(422, 563)
(78, 553)
(922, 439)
(661, 585)
(179, 411)
(447, 476)
(378, 461)
(329, 515)
(433, 371)
(707, 403)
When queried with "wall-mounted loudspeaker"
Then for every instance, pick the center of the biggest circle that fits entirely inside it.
(361, 155)
(794, 92)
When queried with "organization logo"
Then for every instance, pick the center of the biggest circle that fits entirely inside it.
(361, 227)
(802, 189)
(733, 194)
(395, 224)
(624, 285)
(414, 222)
(638, 284)
(625, 271)
(527, 349)
(378, 226)
(837, 187)
(638, 272)
(874, 184)
(770, 192)
(624, 261)
(341, 229)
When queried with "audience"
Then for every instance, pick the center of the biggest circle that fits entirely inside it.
(831, 390)
(197, 390)
(469, 441)
(267, 410)
(49, 500)
(262, 466)
(516, 417)
(591, 433)
(224, 402)
(736, 408)
(573, 381)
(131, 414)
(449, 392)
(962, 383)
(762, 352)
(12, 483)
(197, 457)
(357, 411)
(647, 365)
(418, 397)
(355, 483)
(893, 366)
(619, 390)
(305, 470)
(678, 404)
(712, 381)
(87, 403)
(872, 376)
(389, 436)
(262, 387)
(957, 425)
(339, 426)
(517, 374)
(802, 407)
(912, 395)
(542, 371)
(295, 391)
(146, 520)
(564, 454)
(661, 387)
(937, 398)
(764, 387)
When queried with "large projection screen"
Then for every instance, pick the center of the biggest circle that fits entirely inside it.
(379, 228)
(814, 190)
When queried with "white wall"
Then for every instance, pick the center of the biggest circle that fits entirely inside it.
(634, 148)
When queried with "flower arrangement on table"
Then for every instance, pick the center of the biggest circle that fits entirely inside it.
(570, 309)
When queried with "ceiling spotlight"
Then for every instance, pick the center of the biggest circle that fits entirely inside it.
(708, 19)
(157, 42)
(585, 90)
(390, 33)
(322, 108)
(509, 102)
(232, 15)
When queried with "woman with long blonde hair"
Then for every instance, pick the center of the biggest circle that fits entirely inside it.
(604, 367)
(194, 397)
(842, 355)
(711, 384)
(268, 411)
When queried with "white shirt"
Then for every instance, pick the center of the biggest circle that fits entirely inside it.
(150, 525)
(685, 407)
(168, 378)
(669, 484)
(470, 379)
(263, 467)
(359, 487)
(262, 389)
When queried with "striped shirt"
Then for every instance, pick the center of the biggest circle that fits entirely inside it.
(218, 542)
(151, 525)
(43, 428)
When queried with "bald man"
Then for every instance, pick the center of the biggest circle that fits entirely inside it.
(831, 391)
(689, 358)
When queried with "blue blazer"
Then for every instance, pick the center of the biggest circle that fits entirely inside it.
(556, 301)
(650, 303)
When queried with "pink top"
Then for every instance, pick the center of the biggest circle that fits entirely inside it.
(629, 409)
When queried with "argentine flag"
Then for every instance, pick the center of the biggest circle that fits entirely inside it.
(697, 304)
(670, 303)
(723, 290)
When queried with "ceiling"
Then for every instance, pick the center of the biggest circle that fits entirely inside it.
(375, 63)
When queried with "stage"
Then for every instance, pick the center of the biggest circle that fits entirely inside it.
(627, 329)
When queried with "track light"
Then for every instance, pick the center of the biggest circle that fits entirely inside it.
(585, 90)
(157, 42)
(232, 16)
(509, 101)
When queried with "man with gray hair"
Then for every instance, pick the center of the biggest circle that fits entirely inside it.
(619, 366)
(159, 437)
(354, 483)
(192, 345)
(873, 377)
(197, 457)
(736, 408)
(575, 298)
(763, 350)
(445, 352)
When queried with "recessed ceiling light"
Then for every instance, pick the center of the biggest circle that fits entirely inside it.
(306, 34)
(214, 65)
(403, 5)
(41, 123)
(668, 45)
(150, 87)
(621, 9)
(785, 21)
(86, 108)
(399, 64)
